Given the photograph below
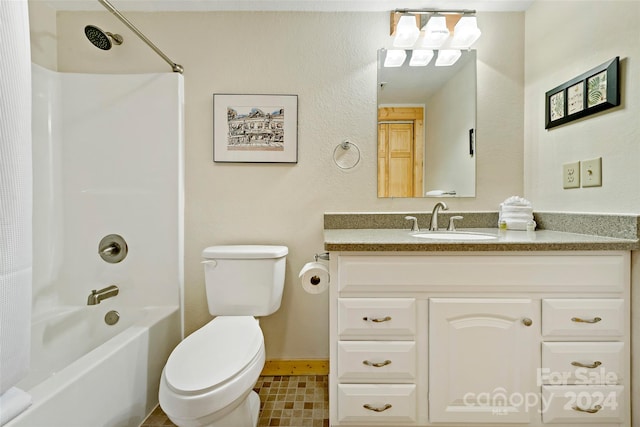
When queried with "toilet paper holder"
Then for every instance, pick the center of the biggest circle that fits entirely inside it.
(322, 255)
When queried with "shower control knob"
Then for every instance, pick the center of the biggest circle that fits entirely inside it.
(113, 248)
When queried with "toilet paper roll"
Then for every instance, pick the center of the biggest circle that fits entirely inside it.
(314, 277)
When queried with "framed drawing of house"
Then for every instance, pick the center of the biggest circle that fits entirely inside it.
(255, 128)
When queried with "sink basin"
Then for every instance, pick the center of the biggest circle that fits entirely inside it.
(454, 235)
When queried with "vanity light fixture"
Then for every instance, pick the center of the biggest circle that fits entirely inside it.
(420, 57)
(444, 31)
(465, 33)
(436, 32)
(447, 57)
(395, 58)
(407, 32)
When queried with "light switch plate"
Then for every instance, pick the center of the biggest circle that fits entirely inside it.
(591, 172)
(571, 175)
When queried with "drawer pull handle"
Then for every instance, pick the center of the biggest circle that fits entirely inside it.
(372, 408)
(588, 411)
(376, 364)
(527, 322)
(590, 366)
(579, 320)
(377, 319)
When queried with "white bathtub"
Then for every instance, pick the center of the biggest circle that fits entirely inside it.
(85, 373)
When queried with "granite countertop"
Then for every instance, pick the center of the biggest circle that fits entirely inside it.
(403, 240)
(385, 232)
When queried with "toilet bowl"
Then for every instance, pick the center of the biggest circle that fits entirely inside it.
(209, 376)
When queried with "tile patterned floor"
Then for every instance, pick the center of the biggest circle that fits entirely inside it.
(295, 401)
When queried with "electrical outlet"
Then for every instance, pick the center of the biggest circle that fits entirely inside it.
(591, 172)
(571, 175)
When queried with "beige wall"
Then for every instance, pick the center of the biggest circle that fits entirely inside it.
(44, 37)
(563, 40)
(329, 61)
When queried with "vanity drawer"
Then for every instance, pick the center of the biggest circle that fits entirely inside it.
(376, 318)
(582, 404)
(375, 361)
(584, 363)
(583, 317)
(391, 404)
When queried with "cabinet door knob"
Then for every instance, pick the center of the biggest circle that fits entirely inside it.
(379, 409)
(587, 365)
(588, 411)
(376, 364)
(377, 319)
(527, 322)
(579, 320)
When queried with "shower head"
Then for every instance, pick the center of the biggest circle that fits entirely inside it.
(101, 39)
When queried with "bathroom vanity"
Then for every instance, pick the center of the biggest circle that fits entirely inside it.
(522, 329)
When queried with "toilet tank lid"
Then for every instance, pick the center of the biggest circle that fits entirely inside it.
(245, 252)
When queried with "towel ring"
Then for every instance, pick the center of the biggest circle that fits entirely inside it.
(346, 158)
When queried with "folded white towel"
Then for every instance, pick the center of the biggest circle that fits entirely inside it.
(517, 209)
(517, 216)
(516, 201)
(12, 403)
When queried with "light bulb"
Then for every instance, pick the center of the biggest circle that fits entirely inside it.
(435, 32)
(447, 57)
(420, 57)
(407, 32)
(465, 33)
(395, 58)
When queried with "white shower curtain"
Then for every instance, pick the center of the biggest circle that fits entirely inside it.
(15, 205)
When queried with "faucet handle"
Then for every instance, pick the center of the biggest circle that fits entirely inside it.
(452, 226)
(414, 225)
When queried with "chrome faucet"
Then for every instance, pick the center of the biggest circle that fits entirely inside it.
(434, 215)
(98, 295)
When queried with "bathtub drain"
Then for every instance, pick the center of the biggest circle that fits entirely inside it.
(112, 317)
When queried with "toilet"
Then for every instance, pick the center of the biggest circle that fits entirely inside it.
(209, 377)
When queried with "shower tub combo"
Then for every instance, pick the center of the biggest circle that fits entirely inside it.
(107, 160)
(85, 372)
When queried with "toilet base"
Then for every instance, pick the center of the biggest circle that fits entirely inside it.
(245, 415)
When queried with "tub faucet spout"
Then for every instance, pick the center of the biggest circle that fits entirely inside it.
(98, 295)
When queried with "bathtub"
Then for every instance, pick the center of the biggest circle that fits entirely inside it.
(85, 373)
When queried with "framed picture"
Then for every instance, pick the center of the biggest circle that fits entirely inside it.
(255, 128)
(589, 93)
(556, 104)
(575, 98)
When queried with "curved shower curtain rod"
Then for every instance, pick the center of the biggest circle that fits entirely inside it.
(175, 67)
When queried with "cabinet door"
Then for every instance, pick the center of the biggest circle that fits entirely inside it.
(483, 355)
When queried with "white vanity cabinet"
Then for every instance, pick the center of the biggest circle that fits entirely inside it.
(490, 338)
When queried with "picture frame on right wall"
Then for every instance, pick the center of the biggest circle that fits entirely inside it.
(592, 92)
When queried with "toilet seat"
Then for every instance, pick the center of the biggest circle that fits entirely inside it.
(213, 355)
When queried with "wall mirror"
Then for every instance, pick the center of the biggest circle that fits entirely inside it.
(426, 129)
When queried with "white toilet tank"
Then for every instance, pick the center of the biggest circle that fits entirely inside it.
(244, 280)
